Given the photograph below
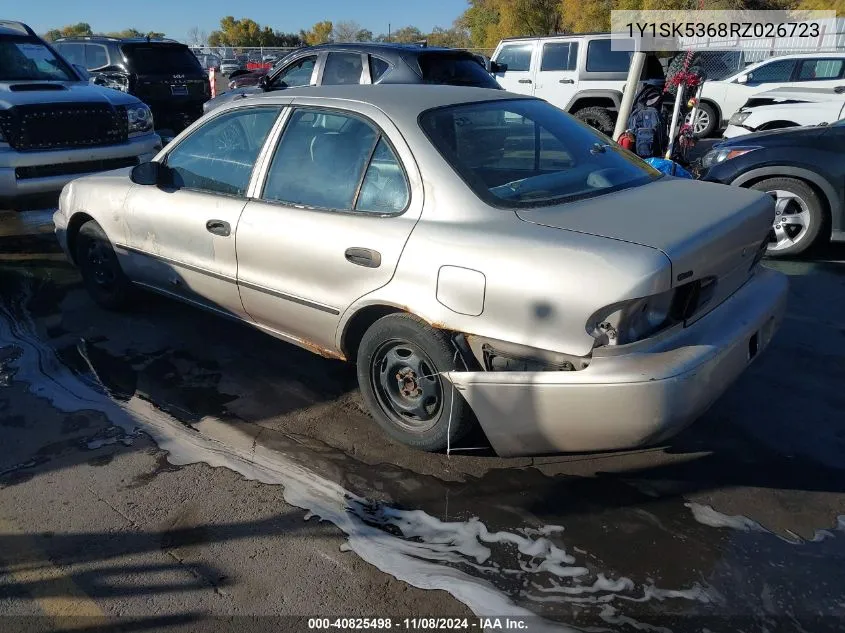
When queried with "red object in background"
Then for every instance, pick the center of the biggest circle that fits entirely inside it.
(258, 66)
(212, 82)
(627, 141)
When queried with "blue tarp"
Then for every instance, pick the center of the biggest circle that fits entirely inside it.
(669, 167)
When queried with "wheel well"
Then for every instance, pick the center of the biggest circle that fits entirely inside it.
(715, 107)
(359, 324)
(826, 209)
(76, 222)
(591, 102)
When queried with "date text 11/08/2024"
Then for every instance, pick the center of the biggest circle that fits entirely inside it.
(419, 624)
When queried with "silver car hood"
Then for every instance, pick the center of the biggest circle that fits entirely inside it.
(705, 229)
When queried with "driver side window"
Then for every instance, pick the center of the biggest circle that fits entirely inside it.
(297, 74)
(219, 156)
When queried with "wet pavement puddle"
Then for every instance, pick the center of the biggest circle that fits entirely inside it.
(584, 553)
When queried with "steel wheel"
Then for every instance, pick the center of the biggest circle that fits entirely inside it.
(792, 220)
(407, 386)
(101, 263)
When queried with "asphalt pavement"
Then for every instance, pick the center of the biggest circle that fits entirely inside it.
(164, 469)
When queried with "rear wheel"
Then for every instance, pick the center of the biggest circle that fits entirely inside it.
(799, 215)
(400, 360)
(598, 117)
(101, 272)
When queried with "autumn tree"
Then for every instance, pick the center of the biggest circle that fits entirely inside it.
(71, 30)
(346, 31)
(320, 33)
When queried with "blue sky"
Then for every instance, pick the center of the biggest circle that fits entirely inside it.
(175, 17)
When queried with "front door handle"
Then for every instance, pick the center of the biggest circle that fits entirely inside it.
(366, 257)
(525, 81)
(218, 227)
(566, 81)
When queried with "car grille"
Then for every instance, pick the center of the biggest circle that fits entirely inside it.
(64, 126)
(66, 169)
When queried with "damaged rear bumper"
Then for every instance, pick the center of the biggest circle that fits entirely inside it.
(635, 395)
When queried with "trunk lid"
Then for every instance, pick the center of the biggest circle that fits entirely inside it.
(710, 232)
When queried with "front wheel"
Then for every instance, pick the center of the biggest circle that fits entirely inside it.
(602, 119)
(400, 363)
(799, 215)
(101, 272)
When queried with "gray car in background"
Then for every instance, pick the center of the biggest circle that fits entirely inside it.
(344, 64)
(483, 257)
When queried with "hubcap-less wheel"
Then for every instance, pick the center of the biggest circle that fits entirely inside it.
(407, 386)
(792, 220)
(102, 265)
(702, 121)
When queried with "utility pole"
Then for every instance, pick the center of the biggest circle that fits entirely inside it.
(388, 31)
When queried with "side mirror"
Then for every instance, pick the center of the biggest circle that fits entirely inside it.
(496, 67)
(745, 78)
(151, 173)
(264, 82)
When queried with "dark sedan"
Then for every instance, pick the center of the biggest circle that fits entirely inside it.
(803, 169)
(368, 63)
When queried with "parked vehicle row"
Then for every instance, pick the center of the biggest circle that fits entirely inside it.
(482, 256)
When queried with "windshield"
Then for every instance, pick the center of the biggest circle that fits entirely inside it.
(158, 59)
(29, 59)
(526, 152)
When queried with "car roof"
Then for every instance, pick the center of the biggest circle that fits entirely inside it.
(122, 40)
(10, 27)
(531, 38)
(381, 48)
(392, 99)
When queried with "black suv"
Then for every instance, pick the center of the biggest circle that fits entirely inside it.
(368, 63)
(164, 74)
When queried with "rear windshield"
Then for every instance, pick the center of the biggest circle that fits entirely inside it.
(526, 152)
(455, 70)
(157, 59)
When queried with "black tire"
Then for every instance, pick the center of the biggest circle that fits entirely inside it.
(598, 117)
(101, 272)
(391, 381)
(806, 203)
(713, 124)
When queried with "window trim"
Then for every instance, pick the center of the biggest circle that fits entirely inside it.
(258, 159)
(316, 72)
(365, 67)
(387, 71)
(816, 60)
(261, 183)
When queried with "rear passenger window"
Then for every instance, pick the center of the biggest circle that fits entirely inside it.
(517, 57)
(74, 53)
(95, 56)
(377, 68)
(337, 162)
(455, 69)
(343, 68)
(559, 56)
(601, 58)
(820, 69)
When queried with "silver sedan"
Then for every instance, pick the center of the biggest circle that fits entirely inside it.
(483, 257)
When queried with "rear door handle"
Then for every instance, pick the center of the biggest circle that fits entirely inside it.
(366, 257)
(525, 81)
(566, 81)
(218, 227)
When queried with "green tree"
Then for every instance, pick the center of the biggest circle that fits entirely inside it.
(455, 37)
(71, 30)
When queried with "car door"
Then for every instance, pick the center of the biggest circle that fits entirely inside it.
(516, 73)
(339, 199)
(181, 234)
(774, 74)
(557, 77)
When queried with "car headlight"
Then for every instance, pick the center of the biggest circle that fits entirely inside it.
(140, 119)
(720, 155)
(739, 117)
